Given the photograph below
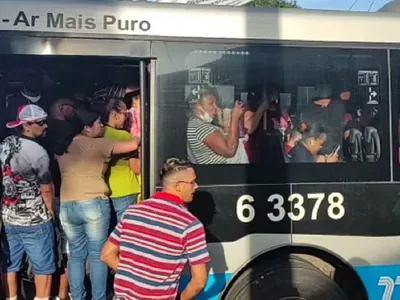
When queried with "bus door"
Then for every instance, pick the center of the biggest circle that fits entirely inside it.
(147, 119)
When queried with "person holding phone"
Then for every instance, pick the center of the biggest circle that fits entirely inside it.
(206, 143)
(309, 147)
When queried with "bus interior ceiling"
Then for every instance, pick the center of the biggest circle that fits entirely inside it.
(66, 74)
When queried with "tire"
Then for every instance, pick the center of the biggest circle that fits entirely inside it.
(284, 280)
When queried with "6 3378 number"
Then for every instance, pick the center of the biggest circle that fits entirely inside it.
(246, 212)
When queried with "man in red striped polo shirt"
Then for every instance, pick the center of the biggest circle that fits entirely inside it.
(155, 239)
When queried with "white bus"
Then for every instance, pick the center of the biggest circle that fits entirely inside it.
(276, 230)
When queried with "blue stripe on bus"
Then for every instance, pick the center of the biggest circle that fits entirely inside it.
(370, 275)
(215, 284)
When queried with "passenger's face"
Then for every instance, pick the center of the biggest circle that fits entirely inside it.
(345, 96)
(120, 116)
(186, 185)
(136, 102)
(317, 143)
(37, 128)
(209, 105)
(97, 129)
(66, 108)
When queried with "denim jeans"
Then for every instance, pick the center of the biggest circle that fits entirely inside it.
(37, 241)
(86, 226)
(120, 204)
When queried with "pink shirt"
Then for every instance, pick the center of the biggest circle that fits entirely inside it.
(135, 127)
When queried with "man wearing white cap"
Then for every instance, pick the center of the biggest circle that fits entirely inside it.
(27, 203)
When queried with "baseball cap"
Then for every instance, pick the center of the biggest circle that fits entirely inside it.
(27, 113)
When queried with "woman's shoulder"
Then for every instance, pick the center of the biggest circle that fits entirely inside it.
(117, 134)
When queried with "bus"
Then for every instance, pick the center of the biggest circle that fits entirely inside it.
(276, 229)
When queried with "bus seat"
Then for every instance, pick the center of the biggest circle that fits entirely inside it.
(372, 144)
(354, 145)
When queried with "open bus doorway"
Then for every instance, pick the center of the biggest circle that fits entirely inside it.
(87, 82)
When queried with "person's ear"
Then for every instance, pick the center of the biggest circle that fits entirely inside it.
(87, 129)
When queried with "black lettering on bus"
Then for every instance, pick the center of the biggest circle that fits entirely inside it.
(22, 18)
(122, 26)
(133, 24)
(90, 23)
(55, 21)
(108, 20)
(71, 23)
(144, 25)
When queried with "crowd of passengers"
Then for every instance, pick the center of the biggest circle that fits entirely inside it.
(84, 153)
(244, 134)
(74, 162)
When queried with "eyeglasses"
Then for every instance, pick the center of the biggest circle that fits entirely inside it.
(188, 182)
(182, 181)
(40, 123)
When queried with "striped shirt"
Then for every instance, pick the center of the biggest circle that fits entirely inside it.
(156, 239)
(199, 152)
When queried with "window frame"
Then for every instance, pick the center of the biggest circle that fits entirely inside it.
(380, 171)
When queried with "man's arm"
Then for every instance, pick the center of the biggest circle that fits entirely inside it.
(110, 251)
(196, 283)
(47, 191)
(110, 255)
(42, 168)
(198, 257)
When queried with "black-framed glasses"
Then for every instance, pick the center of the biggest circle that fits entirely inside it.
(40, 123)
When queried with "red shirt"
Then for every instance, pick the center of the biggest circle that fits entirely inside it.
(288, 148)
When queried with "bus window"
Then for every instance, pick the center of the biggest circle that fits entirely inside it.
(395, 73)
(258, 114)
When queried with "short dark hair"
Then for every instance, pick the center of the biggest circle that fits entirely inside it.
(173, 165)
(314, 130)
(79, 119)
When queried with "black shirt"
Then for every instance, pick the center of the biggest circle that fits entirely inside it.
(300, 154)
(57, 130)
(331, 118)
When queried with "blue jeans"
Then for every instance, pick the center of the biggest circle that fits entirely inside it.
(120, 204)
(37, 241)
(86, 226)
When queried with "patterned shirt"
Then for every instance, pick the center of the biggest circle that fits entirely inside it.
(25, 167)
(198, 151)
(156, 239)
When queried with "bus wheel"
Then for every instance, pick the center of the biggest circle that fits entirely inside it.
(282, 280)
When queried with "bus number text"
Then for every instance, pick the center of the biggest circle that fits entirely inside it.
(246, 213)
(389, 284)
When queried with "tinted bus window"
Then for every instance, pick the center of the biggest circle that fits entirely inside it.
(395, 73)
(302, 114)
